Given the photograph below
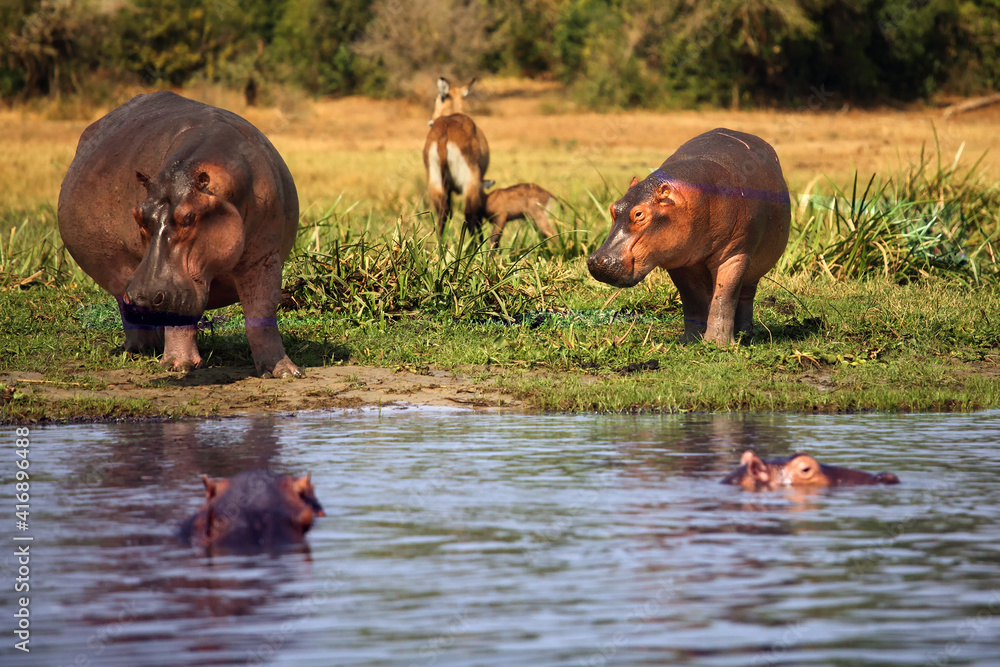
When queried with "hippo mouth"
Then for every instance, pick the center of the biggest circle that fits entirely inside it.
(610, 269)
(148, 317)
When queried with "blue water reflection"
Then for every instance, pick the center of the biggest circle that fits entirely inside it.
(459, 538)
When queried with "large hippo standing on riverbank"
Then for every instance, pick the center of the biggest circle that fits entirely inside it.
(175, 207)
(715, 215)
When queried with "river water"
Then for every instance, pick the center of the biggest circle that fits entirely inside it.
(459, 538)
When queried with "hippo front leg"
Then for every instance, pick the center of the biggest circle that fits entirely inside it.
(180, 348)
(725, 298)
(259, 291)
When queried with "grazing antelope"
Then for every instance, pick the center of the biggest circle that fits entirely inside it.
(519, 202)
(456, 156)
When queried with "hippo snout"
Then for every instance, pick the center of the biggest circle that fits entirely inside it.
(157, 310)
(145, 301)
(609, 268)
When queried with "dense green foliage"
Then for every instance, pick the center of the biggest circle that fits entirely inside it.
(612, 53)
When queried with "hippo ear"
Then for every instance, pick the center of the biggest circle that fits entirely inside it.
(635, 181)
(302, 486)
(137, 214)
(214, 488)
(143, 179)
(201, 181)
(756, 467)
(662, 193)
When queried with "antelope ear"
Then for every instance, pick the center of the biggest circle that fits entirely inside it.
(443, 88)
(635, 181)
(143, 179)
(662, 194)
(756, 467)
(468, 88)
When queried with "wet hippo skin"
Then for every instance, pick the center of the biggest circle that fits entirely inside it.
(799, 470)
(256, 510)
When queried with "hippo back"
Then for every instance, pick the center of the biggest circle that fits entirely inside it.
(741, 173)
(749, 162)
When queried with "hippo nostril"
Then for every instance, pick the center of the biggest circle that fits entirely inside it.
(158, 299)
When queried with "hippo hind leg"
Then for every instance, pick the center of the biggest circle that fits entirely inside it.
(695, 289)
(744, 309)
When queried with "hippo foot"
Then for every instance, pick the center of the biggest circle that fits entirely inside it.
(284, 368)
(181, 364)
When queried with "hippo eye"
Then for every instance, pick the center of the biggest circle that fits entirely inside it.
(638, 216)
(188, 220)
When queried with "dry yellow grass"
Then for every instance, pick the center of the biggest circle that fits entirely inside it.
(369, 151)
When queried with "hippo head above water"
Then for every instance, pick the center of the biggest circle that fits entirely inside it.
(256, 510)
(797, 470)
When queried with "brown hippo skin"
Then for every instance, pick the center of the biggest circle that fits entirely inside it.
(757, 474)
(715, 215)
(256, 510)
(175, 207)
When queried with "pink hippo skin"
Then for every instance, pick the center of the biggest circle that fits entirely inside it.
(715, 215)
(175, 207)
(798, 470)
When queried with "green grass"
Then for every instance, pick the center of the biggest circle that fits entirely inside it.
(888, 298)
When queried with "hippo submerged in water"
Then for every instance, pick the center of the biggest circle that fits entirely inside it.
(175, 207)
(715, 215)
(256, 510)
(757, 474)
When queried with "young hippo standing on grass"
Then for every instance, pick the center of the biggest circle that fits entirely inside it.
(716, 216)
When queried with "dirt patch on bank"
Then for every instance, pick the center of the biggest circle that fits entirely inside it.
(234, 391)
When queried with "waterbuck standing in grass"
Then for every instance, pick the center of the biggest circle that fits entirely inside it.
(456, 156)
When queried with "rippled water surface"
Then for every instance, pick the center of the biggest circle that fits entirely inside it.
(456, 538)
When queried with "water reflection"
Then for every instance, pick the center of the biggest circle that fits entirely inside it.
(453, 538)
